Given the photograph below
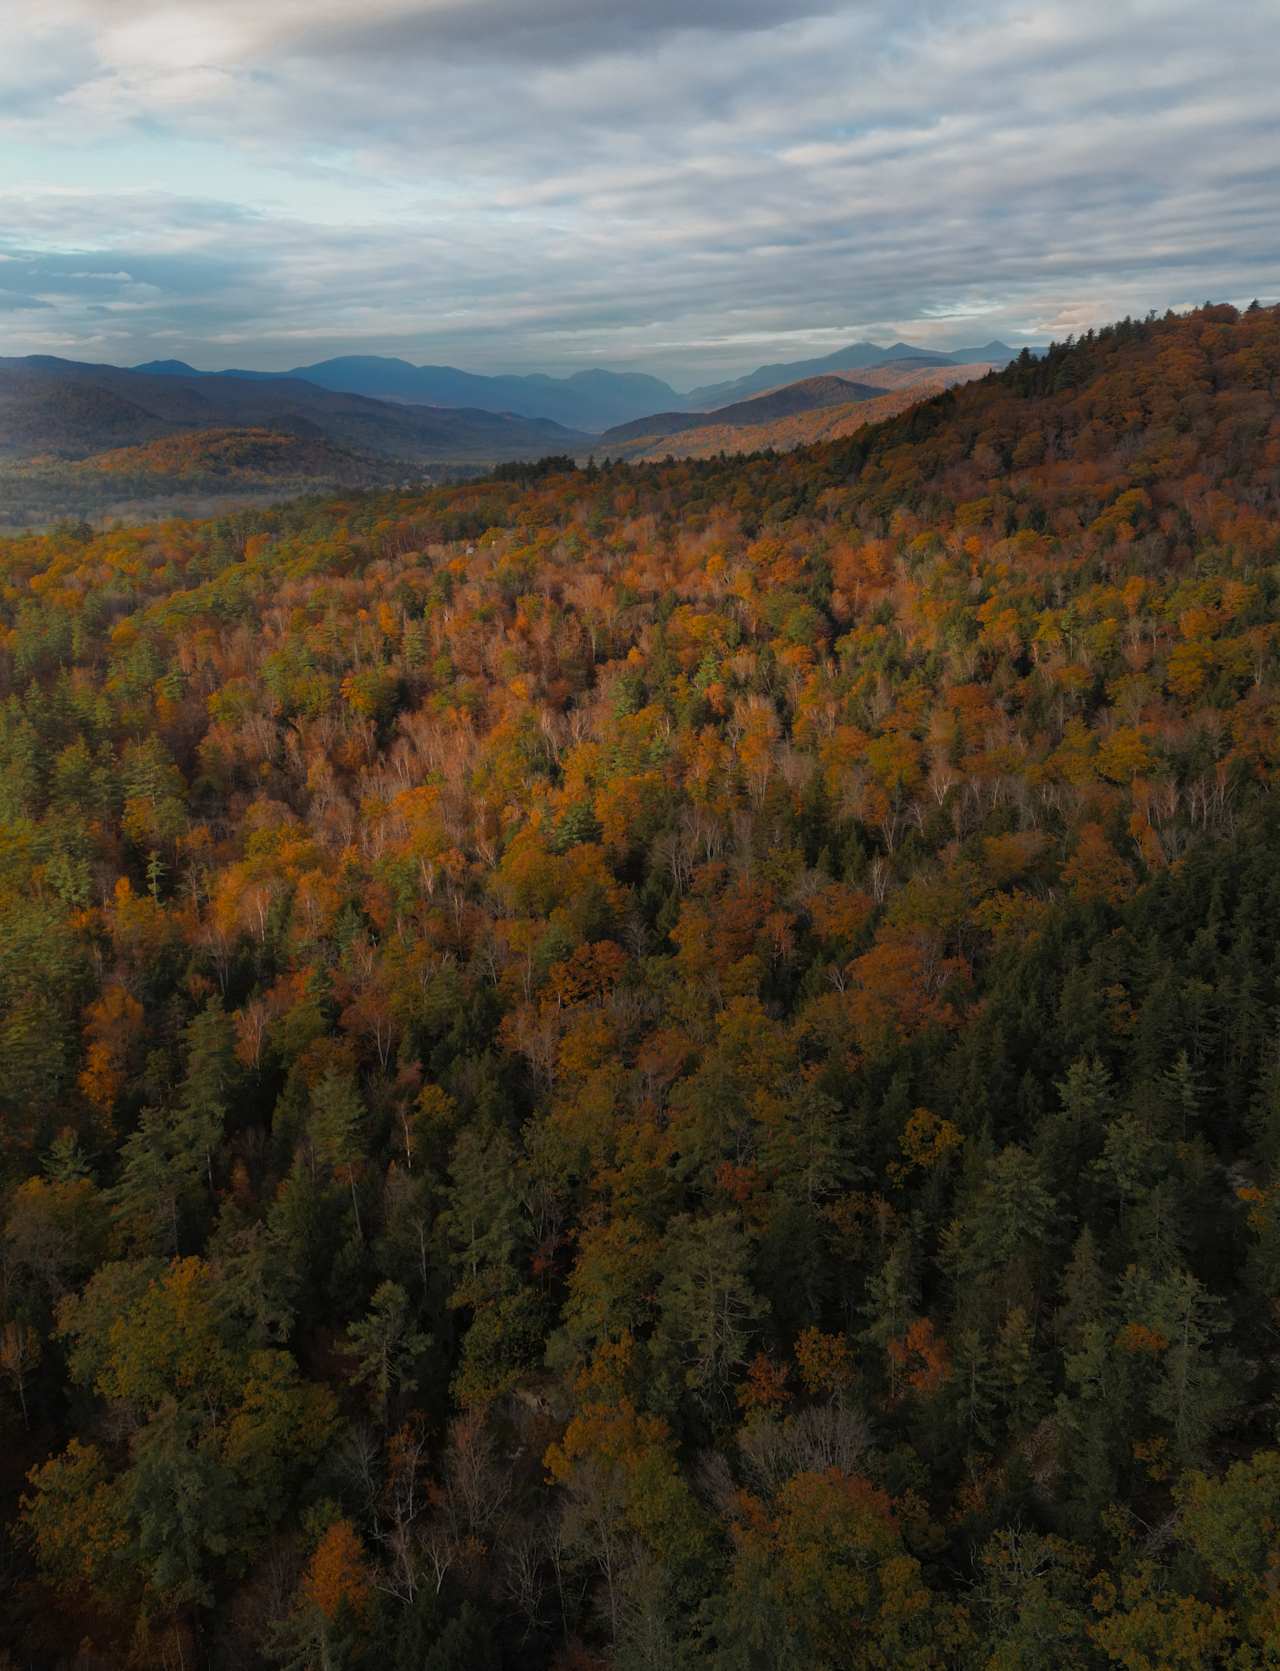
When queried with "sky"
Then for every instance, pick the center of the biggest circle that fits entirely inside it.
(685, 187)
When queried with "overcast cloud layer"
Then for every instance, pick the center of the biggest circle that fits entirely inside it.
(683, 186)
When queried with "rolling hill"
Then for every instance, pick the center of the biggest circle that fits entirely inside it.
(189, 473)
(241, 455)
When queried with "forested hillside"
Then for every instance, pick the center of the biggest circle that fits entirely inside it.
(661, 1067)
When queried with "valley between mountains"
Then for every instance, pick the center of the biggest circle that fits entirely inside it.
(105, 442)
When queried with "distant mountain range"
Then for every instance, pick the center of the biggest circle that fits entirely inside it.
(83, 439)
(589, 400)
(73, 410)
(857, 356)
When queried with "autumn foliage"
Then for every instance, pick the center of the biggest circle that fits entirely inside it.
(660, 1065)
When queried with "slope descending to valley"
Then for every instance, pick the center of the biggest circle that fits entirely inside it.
(661, 1064)
(805, 396)
(796, 415)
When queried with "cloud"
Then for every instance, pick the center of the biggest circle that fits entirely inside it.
(684, 187)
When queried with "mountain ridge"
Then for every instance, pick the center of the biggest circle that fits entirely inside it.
(854, 356)
(75, 408)
(596, 400)
(586, 400)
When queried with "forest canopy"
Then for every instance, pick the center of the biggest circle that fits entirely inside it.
(660, 1066)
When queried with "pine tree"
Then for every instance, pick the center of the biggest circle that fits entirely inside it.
(1085, 1290)
(203, 1098)
(334, 1131)
(158, 1183)
(384, 1346)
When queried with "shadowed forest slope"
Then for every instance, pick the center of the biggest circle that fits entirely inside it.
(660, 1066)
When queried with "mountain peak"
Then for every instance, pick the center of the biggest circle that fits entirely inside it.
(167, 368)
